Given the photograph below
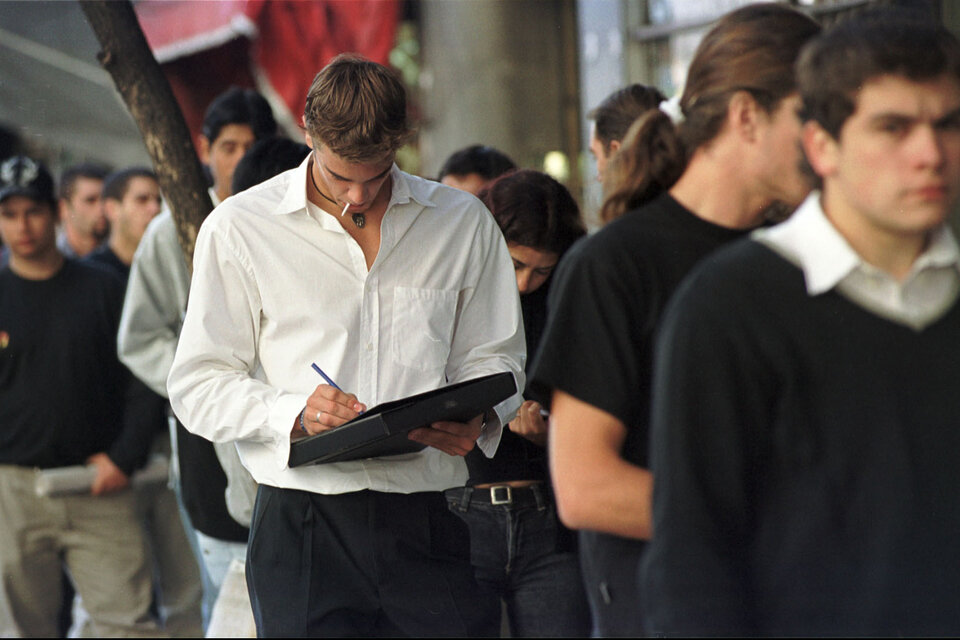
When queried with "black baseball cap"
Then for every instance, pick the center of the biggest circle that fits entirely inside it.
(23, 176)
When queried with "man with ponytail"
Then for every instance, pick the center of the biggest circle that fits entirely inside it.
(738, 147)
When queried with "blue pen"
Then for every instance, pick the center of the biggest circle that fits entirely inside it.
(325, 376)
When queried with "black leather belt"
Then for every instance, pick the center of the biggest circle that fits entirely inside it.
(536, 495)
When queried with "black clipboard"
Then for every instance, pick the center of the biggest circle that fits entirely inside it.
(382, 430)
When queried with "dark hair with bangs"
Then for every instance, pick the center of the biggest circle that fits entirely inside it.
(483, 160)
(70, 177)
(116, 184)
(886, 41)
(266, 158)
(532, 209)
(238, 106)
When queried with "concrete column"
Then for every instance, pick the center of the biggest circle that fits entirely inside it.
(496, 72)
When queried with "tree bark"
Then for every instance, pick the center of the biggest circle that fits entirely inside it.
(126, 56)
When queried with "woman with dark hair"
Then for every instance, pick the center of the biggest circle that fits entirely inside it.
(518, 548)
(737, 148)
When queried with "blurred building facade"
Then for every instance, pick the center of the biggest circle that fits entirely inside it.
(519, 75)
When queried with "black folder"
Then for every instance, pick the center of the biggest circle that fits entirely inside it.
(382, 430)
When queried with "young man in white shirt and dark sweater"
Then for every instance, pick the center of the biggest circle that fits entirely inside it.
(412, 290)
(805, 439)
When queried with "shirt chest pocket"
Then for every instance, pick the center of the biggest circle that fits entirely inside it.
(423, 321)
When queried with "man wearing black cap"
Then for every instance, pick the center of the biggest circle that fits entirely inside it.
(60, 381)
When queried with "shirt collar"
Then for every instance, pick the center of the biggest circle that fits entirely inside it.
(404, 189)
(295, 197)
(942, 251)
(811, 241)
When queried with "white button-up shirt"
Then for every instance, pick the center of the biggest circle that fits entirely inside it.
(809, 240)
(275, 288)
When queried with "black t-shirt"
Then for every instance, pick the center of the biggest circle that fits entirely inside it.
(604, 308)
(202, 481)
(603, 312)
(145, 414)
(203, 485)
(104, 255)
(807, 462)
(62, 389)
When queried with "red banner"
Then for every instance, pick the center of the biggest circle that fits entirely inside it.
(275, 46)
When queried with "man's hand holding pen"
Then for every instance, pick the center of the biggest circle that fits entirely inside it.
(326, 408)
(329, 406)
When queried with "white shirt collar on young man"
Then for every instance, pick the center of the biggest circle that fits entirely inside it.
(275, 288)
(810, 241)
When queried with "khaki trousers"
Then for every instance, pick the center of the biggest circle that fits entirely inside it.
(99, 539)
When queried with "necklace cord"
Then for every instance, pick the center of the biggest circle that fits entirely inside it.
(359, 219)
(317, 187)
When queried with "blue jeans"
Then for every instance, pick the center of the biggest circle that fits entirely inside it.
(520, 550)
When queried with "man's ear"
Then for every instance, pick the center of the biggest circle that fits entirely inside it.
(203, 149)
(63, 210)
(307, 139)
(111, 208)
(743, 115)
(821, 149)
(614, 146)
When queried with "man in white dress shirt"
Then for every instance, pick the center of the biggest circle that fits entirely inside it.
(393, 285)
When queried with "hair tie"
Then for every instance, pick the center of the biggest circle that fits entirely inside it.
(672, 108)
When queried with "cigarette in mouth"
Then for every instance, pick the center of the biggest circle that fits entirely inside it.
(345, 207)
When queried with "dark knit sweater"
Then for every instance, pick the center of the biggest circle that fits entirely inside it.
(807, 462)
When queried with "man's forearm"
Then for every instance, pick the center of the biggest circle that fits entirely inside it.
(595, 487)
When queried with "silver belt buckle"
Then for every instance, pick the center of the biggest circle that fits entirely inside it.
(496, 498)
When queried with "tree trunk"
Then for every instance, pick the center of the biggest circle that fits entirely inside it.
(126, 55)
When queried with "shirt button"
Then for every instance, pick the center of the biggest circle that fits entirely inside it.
(369, 346)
